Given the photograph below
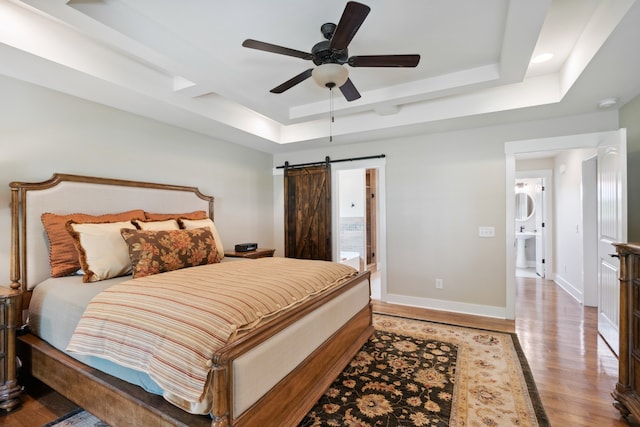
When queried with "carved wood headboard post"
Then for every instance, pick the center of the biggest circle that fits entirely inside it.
(15, 239)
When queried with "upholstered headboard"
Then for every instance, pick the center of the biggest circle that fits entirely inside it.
(64, 194)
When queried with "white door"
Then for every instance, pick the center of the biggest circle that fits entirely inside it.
(612, 227)
(540, 227)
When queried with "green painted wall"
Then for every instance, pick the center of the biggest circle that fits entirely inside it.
(630, 119)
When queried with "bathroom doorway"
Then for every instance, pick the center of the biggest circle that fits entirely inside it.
(354, 218)
(359, 226)
(532, 223)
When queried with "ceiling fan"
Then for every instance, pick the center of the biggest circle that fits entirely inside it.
(331, 54)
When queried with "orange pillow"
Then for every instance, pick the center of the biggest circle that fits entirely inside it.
(63, 256)
(165, 216)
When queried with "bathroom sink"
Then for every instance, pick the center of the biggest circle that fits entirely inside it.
(521, 261)
(525, 235)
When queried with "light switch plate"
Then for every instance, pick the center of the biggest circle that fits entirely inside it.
(487, 231)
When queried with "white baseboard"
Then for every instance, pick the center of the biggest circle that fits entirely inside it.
(567, 286)
(452, 306)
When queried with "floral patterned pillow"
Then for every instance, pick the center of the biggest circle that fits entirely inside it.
(158, 251)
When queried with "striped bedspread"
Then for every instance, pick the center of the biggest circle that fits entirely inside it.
(169, 325)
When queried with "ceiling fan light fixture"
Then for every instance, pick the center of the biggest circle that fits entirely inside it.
(330, 75)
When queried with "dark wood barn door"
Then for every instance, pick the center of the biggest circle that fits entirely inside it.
(307, 209)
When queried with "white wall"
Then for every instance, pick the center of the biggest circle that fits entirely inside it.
(568, 249)
(439, 189)
(534, 164)
(351, 193)
(43, 132)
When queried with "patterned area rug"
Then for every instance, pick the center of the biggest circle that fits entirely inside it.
(77, 418)
(417, 373)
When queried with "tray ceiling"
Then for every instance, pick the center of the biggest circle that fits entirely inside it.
(182, 62)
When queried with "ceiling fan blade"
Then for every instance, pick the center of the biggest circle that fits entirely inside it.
(268, 47)
(292, 82)
(352, 18)
(384, 61)
(349, 91)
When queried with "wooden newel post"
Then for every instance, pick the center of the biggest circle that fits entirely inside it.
(10, 390)
(623, 351)
(15, 240)
(627, 391)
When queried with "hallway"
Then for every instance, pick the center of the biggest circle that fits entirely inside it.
(575, 371)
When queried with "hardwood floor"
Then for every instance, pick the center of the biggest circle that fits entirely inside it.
(574, 369)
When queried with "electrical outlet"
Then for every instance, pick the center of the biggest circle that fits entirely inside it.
(439, 284)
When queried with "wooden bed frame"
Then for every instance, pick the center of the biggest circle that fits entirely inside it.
(118, 402)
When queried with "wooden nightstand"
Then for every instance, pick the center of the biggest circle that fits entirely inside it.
(10, 390)
(258, 253)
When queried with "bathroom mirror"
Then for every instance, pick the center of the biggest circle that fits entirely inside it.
(524, 206)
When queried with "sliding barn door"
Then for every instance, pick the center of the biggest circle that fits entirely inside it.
(307, 210)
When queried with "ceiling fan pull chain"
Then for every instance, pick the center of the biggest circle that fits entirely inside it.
(330, 114)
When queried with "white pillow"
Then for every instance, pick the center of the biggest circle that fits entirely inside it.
(199, 223)
(103, 252)
(170, 224)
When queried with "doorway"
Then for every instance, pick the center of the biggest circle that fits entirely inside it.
(574, 230)
(353, 214)
(533, 226)
(359, 220)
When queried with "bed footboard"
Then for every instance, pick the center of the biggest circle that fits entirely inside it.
(304, 352)
(288, 402)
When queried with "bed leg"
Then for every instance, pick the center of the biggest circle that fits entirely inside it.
(220, 422)
(220, 412)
